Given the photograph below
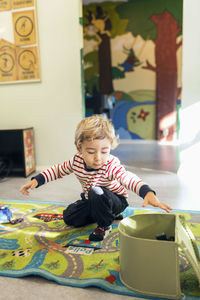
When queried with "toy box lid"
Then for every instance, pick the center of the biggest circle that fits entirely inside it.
(187, 243)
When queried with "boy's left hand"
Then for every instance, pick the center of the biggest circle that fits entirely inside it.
(151, 199)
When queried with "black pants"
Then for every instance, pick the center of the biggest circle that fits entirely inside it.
(101, 207)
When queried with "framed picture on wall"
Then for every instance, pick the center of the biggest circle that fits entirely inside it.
(19, 47)
(29, 152)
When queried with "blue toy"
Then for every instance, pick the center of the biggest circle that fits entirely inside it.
(5, 214)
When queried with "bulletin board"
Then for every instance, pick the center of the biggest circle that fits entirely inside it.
(19, 48)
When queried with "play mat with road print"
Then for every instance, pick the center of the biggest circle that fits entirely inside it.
(41, 244)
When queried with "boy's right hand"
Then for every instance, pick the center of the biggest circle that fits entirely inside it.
(30, 185)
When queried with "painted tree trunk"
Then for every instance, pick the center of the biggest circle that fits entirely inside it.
(105, 65)
(166, 75)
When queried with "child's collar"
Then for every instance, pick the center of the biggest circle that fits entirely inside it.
(89, 170)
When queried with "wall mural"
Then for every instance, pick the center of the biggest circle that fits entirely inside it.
(132, 65)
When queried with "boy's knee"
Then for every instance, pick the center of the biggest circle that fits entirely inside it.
(76, 214)
(94, 195)
(67, 219)
(98, 197)
(69, 216)
(71, 220)
(96, 190)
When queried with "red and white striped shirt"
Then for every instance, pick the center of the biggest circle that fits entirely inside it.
(112, 175)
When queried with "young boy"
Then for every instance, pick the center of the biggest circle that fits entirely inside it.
(104, 180)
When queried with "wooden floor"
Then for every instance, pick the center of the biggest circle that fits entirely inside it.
(149, 155)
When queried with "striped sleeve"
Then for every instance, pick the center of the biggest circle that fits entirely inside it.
(128, 179)
(55, 172)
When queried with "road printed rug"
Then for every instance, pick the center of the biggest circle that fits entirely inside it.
(41, 244)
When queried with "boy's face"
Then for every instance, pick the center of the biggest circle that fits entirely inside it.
(95, 153)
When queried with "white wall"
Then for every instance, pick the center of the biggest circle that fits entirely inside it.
(190, 116)
(190, 112)
(52, 107)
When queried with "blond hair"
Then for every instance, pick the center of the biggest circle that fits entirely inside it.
(95, 127)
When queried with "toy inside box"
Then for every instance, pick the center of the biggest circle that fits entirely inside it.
(149, 260)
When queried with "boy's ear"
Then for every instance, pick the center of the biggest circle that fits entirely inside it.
(79, 149)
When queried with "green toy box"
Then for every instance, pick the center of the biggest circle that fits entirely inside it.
(149, 260)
